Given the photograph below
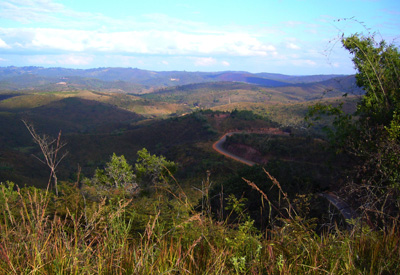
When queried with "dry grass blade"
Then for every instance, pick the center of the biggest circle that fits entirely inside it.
(276, 182)
(254, 186)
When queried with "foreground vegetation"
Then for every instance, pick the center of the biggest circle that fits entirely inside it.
(76, 234)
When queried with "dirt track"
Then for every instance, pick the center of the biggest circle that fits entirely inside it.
(344, 208)
(217, 146)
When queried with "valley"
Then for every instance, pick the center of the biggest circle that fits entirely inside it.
(232, 140)
(97, 121)
(265, 125)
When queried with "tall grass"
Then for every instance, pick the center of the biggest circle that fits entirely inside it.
(44, 234)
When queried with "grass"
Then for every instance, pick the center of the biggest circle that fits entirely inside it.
(81, 232)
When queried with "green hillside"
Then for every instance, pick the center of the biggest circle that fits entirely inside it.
(96, 124)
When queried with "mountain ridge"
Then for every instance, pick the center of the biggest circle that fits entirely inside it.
(134, 80)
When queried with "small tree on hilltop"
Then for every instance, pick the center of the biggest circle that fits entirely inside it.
(117, 173)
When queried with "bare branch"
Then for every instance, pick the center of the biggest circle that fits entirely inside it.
(50, 149)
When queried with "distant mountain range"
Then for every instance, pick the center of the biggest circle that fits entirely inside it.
(133, 80)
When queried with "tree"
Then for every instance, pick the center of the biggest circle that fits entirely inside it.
(152, 168)
(117, 173)
(378, 66)
(377, 135)
(372, 135)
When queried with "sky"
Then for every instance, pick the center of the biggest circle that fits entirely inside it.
(296, 37)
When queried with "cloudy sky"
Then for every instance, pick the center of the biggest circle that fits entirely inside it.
(278, 36)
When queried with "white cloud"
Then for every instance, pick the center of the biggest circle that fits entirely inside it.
(205, 61)
(58, 35)
(163, 21)
(30, 10)
(55, 14)
(137, 42)
(41, 59)
(225, 63)
(40, 4)
(62, 60)
(75, 60)
(292, 24)
(3, 44)
(64, 40)
(304, 62)
(292, 46)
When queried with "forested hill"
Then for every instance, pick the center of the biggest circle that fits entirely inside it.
(135, 80)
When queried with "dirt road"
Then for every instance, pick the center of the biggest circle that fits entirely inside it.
(346, 211)
(217, 146)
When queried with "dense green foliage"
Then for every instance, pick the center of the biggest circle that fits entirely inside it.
(371, 135)
(152, 169)
(378, 67)
(117, 173)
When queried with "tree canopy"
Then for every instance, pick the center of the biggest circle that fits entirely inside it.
(117, 172)
(371, 135)
(151, 168)
(378, 73)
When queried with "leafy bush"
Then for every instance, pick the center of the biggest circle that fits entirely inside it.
(371, 136)
(117, 173)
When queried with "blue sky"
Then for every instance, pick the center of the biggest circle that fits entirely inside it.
(295, 37)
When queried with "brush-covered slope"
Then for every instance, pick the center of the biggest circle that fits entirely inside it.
(208, 95)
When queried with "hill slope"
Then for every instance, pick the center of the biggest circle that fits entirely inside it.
(132, 79)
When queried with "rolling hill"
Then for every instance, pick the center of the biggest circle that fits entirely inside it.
(208, 95)
(132, 80)
(122, 110)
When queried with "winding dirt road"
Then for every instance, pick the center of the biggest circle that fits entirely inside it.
(217, 146)
(347, 212)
